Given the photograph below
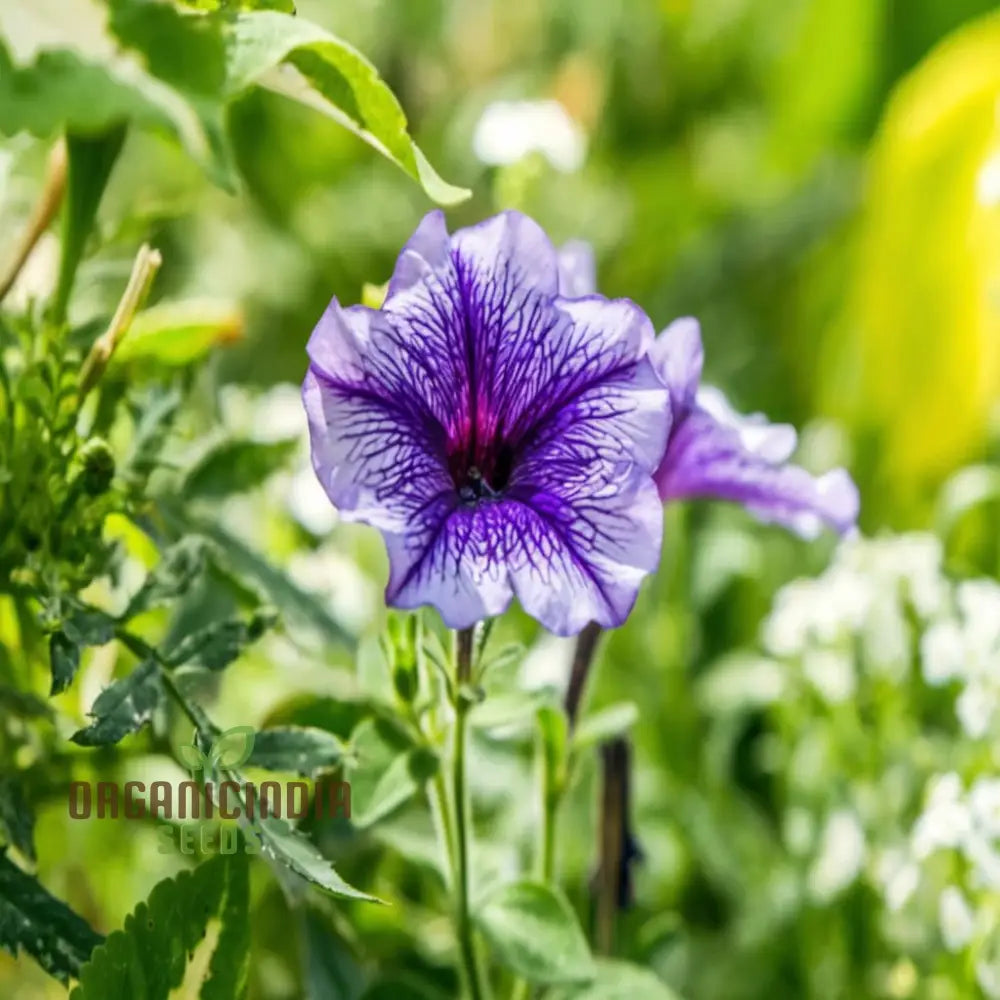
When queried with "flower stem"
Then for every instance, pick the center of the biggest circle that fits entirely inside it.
(472, 972)
(583, 658)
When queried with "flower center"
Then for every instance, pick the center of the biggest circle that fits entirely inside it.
(481, 473)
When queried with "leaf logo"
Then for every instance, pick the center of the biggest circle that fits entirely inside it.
(231, 748)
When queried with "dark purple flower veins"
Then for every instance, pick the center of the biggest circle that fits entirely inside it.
(502, 438)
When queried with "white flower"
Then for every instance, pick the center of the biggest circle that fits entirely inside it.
(955, 918)
(899, 876)
(831, 673)
(976, 708)
(946, 821)
(841, 855)
(508, 131)
(984, 804)
(308, 503)
(942, 652)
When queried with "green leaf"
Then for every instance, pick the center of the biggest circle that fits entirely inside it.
(331, 970)
(288, 848)
(90, 160)
(192, 757)
(173, 575)
(534, 932)
(123, 708)
(215, 646)
(152, 427)
(229, 971)
(62, 91)
(17, 820)
(553, 730)
(47, 929)
(235, 467)
(64, 661)
(386, 773)
(604, 725)
(513, 708)
(302, 750)
(147, 958)
(174, 334)
(233, 747)
(295, 604)
(338, 81)
(618, 981)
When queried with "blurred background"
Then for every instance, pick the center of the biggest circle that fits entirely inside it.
(815, 789)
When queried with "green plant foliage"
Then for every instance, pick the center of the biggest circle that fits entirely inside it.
(124, 707)
(31, 919)
(536, 933)
(300, 749)
(149, 955)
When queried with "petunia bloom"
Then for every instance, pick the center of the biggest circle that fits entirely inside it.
(714, 452)
(502, 438)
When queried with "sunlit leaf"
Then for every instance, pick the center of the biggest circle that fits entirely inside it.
(335, 79)
(535, 933)
(149, 955)
(618, 981)
(179, 333)
(615, 720)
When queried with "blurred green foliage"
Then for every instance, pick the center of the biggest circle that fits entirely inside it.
(817, 180)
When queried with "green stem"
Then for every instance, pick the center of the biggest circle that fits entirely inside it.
(472, 971)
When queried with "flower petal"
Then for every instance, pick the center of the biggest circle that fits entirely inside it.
(708, 459)
(678, 357)
(577, 269)
(376, 448)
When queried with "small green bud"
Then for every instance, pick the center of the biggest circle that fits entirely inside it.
(98, 467)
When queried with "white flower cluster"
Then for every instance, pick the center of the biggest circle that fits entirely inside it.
(966, 822)
(868, 595)
(965, 647)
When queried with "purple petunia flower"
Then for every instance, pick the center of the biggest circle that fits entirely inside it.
(712, 451)
(501, 437)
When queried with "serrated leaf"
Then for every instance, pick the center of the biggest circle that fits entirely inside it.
(335, 79)
(173, 575)
(87, 626)
(234, 466)
(215, 646)
(534, 932)
(148, 956)
(233, 747)
(285, 846)
(618, 981)
(175, 334)
(123, 708)
(302, 750)
(46, 928)
(17, 821)
(615, 720)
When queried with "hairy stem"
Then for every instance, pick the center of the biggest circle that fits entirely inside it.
(472, 971)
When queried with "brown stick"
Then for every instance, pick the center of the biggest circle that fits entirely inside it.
(44, 212)
(583, 657)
